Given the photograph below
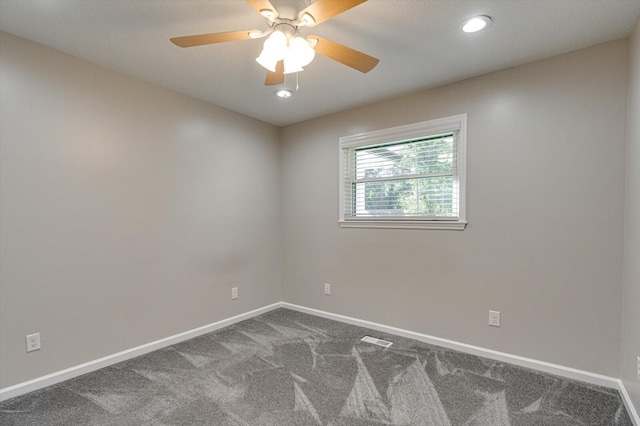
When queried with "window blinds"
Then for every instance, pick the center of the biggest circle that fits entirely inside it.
(412, 179)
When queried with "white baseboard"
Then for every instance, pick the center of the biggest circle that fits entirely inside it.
(559, 370)
(631, 409)
(87, 367)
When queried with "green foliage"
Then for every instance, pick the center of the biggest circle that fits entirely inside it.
(398, 193)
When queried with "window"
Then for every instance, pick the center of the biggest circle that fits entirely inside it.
(410, 176)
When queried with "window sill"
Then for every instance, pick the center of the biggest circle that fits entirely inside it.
(405, 224)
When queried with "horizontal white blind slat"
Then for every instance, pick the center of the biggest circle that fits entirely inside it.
(390, 178)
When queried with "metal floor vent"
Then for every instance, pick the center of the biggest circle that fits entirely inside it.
(379, 342)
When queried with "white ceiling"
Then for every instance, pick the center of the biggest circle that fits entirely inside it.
(419, 44)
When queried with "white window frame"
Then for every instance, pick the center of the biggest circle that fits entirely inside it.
(456, 124)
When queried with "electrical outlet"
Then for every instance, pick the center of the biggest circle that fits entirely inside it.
(638, 368)
(327, 289)
(234, 293)
(494, 318)
(33, 342)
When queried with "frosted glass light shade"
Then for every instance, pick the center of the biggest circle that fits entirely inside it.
(301, 50)
(267, 60)
(291, 65)
(276, 44)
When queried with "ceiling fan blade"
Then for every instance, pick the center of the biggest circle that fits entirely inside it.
(260, 5)
(322, 10)
(277, 77)
(345, 55)
(202, 39)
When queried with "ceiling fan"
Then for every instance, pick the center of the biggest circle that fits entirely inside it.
(285, 50)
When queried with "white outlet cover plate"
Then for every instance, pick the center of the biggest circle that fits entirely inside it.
(327, 289)
(494, 318)
(33, 342)
(234, 293)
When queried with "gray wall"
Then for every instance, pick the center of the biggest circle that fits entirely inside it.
(546, 159)
(631, 290)
(127, 211)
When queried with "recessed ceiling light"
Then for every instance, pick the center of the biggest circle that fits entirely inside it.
(476, 23)
(283, 93)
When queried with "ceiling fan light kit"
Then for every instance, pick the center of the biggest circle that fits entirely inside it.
(285, 51)
(286, 44)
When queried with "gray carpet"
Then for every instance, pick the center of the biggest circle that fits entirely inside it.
(288, 368)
